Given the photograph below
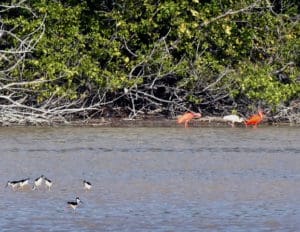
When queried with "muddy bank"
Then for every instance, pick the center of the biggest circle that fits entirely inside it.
(163, 122)
(147, 122)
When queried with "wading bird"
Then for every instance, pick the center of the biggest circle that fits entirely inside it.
(38, 182)
(255, 119)
(74, 204)
(48, 183)
(13, 184)
(187, 117)
(24, 182)
(87, 185)
(233, 118)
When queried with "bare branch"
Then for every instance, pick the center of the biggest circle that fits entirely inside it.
(231, 12)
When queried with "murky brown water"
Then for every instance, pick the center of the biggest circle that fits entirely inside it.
(153, 179)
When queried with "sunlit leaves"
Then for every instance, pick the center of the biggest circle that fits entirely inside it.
(257, 84)
(129, 43)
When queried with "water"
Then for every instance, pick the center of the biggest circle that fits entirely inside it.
(153, 179)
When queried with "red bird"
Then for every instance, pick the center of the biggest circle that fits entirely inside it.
(255, 119)
(186, 117)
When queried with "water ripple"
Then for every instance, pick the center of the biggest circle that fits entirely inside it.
(215, 150)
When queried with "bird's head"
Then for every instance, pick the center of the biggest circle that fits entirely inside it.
(78, 200)
(197, 115)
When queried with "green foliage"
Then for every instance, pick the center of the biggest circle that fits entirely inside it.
(60, 55)
(257, 84)
(116, 44)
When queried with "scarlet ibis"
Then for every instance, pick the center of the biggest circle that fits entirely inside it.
(255, 119)
(233, 118)
(187, 117)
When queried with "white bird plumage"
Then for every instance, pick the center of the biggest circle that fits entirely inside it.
(87, 185)
(48, 183)
(13, 184)
(38, 182)
(24, 183)
(233, 119)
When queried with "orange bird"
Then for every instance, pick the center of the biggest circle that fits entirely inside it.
(187, 117)
(255, 119)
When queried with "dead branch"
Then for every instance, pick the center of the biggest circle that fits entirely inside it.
(230, 12)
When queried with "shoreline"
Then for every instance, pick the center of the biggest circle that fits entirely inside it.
(217, 122)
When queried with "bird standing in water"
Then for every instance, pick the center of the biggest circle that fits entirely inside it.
(87, 185)
(187, 117)
(24, 182)
(38, 182)
(255, 119)
(74, 204)
(233, 118)
(13, 184)
(48, 183)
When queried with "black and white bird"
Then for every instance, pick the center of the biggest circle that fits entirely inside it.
(74, 204)
(38, 182)
(24, 182)
(87, 185)
(48, 183)
(13, 184)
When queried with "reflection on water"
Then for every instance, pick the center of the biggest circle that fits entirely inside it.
(153, 179)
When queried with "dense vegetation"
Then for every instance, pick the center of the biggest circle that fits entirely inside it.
(85, 59)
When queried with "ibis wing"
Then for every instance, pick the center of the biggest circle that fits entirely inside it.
(253, 120)
(180, 119)
(184, 118)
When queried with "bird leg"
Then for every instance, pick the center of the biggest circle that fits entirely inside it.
(186, 124)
